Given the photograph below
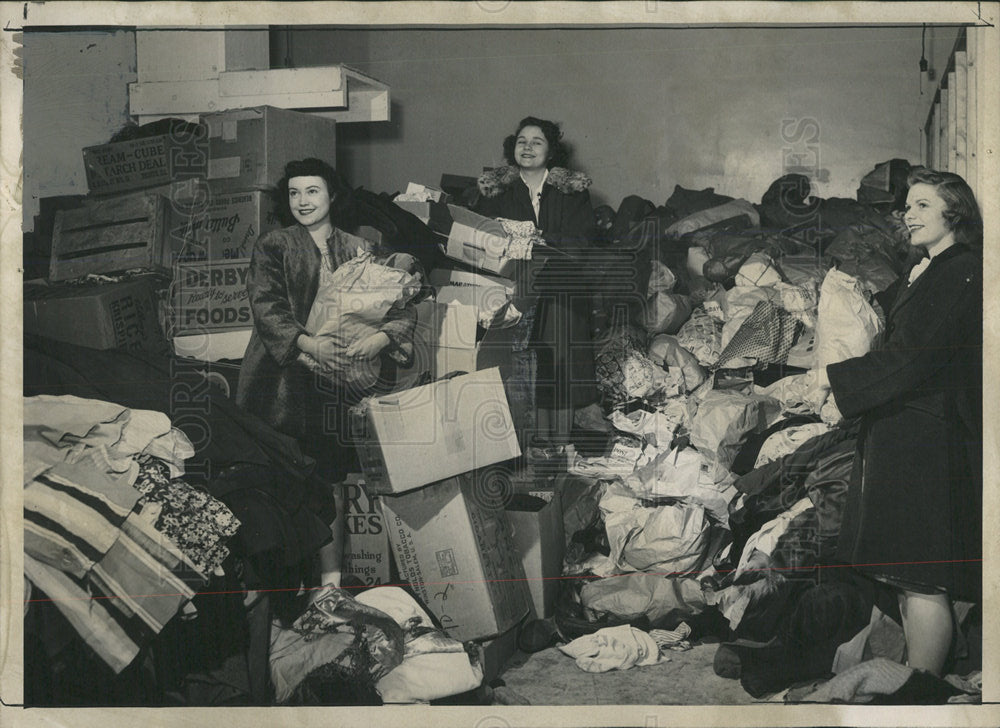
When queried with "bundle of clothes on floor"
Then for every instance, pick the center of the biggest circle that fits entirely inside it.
(718, 498)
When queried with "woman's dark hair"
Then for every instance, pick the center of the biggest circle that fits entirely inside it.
(558, 151)
(340, 191)
(961, 212)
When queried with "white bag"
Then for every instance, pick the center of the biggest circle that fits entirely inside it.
(847, 324)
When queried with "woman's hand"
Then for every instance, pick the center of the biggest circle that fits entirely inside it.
(369, 347)
(323, 349)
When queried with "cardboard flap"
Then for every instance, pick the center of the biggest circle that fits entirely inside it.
(477, 233)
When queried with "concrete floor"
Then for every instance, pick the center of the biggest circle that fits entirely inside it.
(551, 678)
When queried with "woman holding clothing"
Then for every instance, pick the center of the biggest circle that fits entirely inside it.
(914, 510)
(287, 267)
(536, 186)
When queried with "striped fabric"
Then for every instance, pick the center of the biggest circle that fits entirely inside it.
(72, 516)
(114, 577)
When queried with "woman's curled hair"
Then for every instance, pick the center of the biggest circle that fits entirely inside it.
(341, 198)
(961, 211)
(558, 151)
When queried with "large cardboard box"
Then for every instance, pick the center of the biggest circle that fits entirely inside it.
(222, 226)
(418, 436)
(480, 242)
(539, 539)
(472, 289)
(458, 556)
(111, 234)
(210, 296)
(449, 332)
(366, 543)
(249, 148)
(138, 163)
(101, 316)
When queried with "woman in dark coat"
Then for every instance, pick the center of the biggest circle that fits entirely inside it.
(284, 276)
(535, 186)
(914, 511)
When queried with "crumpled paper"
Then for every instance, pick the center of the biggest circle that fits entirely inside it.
(350, 307)
(846, 323)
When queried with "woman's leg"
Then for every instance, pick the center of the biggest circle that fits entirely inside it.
(331, 555)
(927, 624)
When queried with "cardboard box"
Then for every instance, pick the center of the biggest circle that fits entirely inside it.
(540, 543)
(479, 241)
(422, 210)
(210, 296)
(249, 148)
(433, 194)
(140, 163)
(448, 332)
(418, 436)
(102, 316)
(458, 557)
(213, 345)
(223, 226)
(366, 544)
(111, 234)
(472, 289)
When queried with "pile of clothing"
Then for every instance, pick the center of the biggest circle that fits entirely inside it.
(722, 487)
(113, 534)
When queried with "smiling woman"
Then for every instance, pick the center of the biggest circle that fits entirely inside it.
(914, 511)
(537, 187)
(287, 269)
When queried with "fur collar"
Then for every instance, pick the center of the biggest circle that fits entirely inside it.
(492, 183)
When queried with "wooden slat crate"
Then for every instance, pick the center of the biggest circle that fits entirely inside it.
(112, 234)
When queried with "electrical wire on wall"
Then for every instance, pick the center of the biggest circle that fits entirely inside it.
(923, 59)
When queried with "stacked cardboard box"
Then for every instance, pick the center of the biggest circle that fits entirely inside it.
(436, 456)
(187, 205)
(247, 150)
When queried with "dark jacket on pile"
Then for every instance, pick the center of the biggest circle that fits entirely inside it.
(562, 321)
(916, 494)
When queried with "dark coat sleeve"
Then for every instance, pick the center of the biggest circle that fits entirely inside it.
(267, 285)
(577, 226)
(916, 348)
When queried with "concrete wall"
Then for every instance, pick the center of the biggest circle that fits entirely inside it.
(75, 95)
(645, 109)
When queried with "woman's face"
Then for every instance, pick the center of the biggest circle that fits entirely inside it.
(309, 199)
(924, 216)
(531, 149)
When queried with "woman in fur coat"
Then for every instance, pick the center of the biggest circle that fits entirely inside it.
(914, 510)
(284, 276)
(536, 186)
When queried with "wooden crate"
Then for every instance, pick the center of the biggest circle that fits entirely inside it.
(112, 234)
